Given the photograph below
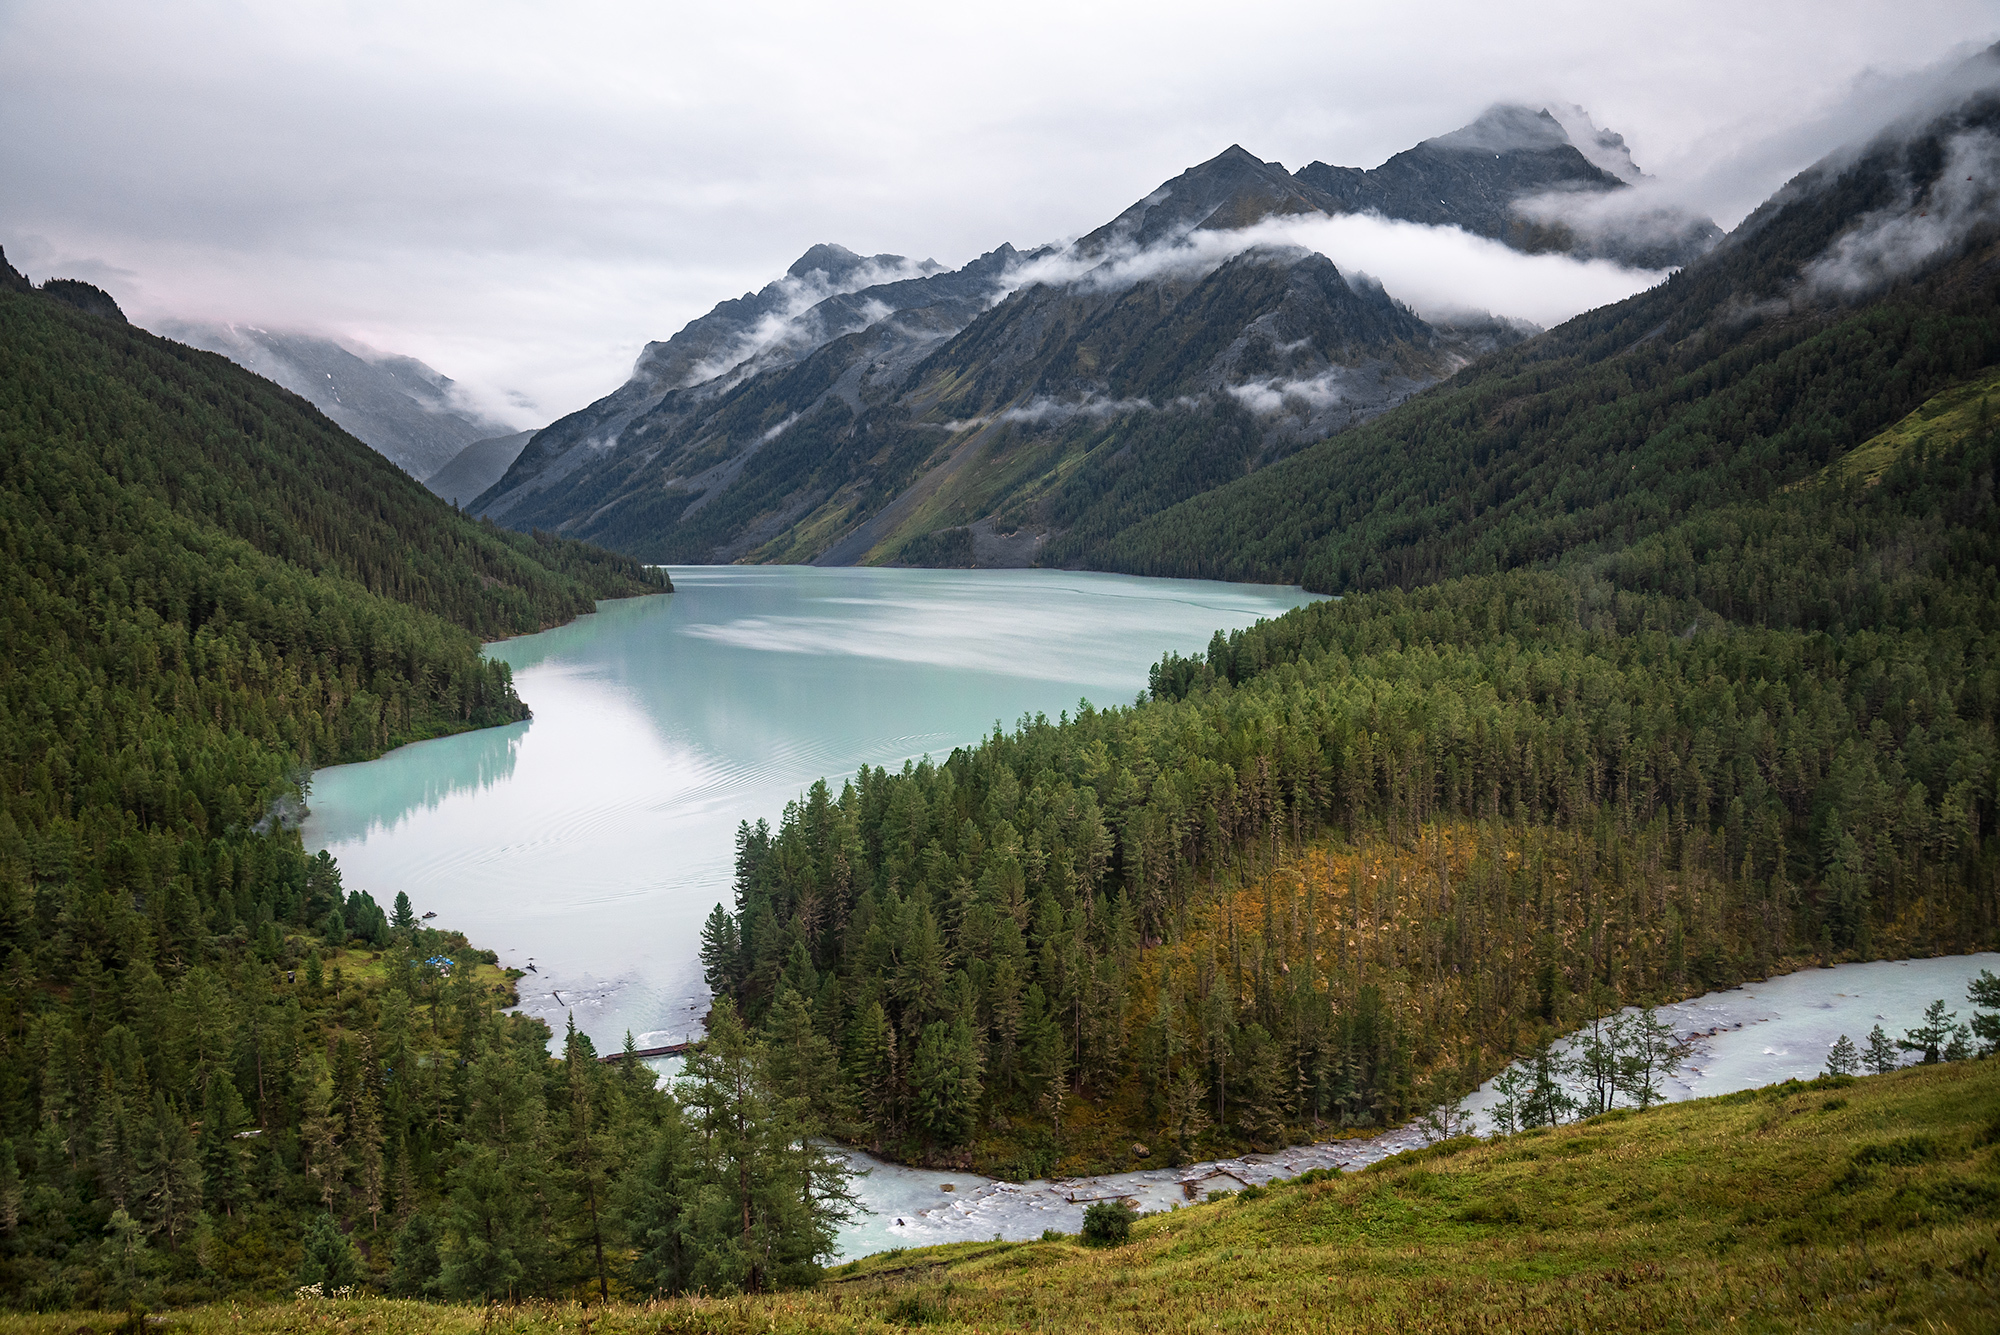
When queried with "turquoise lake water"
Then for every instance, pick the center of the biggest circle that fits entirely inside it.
(593, 839)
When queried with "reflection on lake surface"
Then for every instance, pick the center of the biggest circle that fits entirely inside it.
(595, 838)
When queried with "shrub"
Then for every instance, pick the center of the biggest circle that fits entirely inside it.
(1108, 1223)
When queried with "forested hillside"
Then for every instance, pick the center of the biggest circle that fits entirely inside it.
(209, 1043)
(1669, 656)
(1741, 374)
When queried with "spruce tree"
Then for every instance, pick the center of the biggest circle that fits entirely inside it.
(1843, 1058)
(329, 1259)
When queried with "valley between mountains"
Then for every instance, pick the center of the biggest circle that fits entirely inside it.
(1663, 656)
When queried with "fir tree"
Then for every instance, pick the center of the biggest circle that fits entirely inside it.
(329, 1260)
(414, 1269)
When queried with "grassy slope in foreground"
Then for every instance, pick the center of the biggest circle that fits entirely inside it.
(1801, 1206)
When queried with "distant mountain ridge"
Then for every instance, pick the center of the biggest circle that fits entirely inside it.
(477, 467)
(858, 404)
(404, 409)
(1861, 287)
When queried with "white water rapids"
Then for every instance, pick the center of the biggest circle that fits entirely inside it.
(1756, 1034)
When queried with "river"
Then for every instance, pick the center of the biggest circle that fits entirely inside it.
(1745, 1037)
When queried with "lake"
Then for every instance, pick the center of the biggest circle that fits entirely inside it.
(593, 840)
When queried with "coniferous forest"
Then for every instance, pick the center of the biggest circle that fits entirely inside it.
(220, 1071)
(1667, 656)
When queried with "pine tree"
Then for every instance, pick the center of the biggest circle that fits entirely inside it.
(1597, 1055)
(871, 1065)
(126, 1255)
(721, 952)
(944, 1075)
(1930, 1037)
(766, 1199)
(169, 1179)
(1985, 991)
(10, 1190)
(653, 1202)
(1843, 1058)
(1187, 1112)
(1044, 1056)
(803, 1066)
(588, 1167)
(1654, 1054)
(364, 1141)
(1512, 1087)
(1546, 1100)
(501, 1204)
(319, 1129)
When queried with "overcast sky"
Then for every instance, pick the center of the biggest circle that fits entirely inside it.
(523, 194)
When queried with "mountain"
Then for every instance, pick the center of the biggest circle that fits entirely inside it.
(956, 410)
(477, 467)
(404, 409)
(1487, 177)
(870, 410)
(1861, 288)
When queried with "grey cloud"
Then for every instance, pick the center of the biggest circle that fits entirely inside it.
(524, 196)
(1899, 239)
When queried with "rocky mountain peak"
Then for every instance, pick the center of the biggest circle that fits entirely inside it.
(1232, 189)
(1504, 128)
(835, 261)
